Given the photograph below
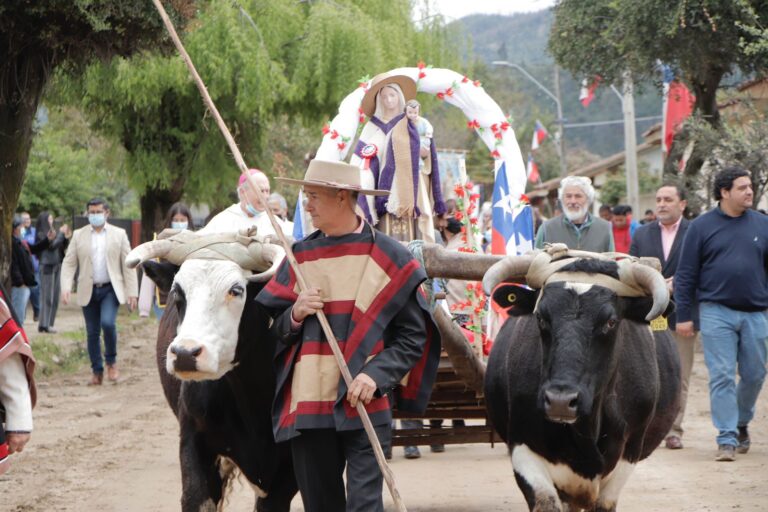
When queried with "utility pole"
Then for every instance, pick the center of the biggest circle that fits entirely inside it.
(555, 98)
(630, 145)
(561, 125)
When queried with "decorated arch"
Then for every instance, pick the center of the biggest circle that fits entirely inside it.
(484, 116)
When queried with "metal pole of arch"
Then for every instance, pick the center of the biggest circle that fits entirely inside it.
(378, 452)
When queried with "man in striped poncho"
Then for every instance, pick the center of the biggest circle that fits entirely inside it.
(368, 286)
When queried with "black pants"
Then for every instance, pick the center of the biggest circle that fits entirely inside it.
(319, 458)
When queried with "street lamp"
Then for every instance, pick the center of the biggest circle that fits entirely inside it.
(555, 98)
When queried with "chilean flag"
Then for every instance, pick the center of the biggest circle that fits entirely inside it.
(678, 105)
(587, 93)
(539, 134)
(512, 219)
(532, 170)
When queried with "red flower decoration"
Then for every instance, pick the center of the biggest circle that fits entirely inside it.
(498, 135)
(334, 134)
(422, 75)
(361, 119)
(342, 145)
(477, 83)
(464, 80)
(440, 96)
(459, 191)
(505, 126)
(473, 221)
(524, 199)
(421, 65)
(326, 129)
(469, 185)
(458, 216)
(494, 127)
(474, 197)
(495, 153)
(449, 91)
(473, 124)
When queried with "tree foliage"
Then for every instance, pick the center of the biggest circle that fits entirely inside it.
(39, 37)
(263, 63)
(68, 165)
(702, 40)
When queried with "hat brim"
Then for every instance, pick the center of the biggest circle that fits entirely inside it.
(339, 186)
(406, 83)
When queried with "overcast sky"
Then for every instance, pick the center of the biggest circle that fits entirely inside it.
(454, 9)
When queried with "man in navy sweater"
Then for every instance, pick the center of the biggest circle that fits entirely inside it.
(723, 264)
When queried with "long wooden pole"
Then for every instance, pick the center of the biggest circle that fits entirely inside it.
(385, 470)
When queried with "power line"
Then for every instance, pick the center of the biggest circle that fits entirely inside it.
(617, 121)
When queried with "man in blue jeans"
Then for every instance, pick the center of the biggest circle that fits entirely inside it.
(723, 263)
(104, 282)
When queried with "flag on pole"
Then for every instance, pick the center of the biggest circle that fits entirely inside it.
(539, 134)
(511, 219)
(298, 218)
(532, 170)
(677, 107)
(587, 93)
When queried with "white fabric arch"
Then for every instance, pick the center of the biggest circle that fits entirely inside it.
(483, 113)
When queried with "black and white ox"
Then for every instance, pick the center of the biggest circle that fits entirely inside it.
(215, 364)
(577, 384)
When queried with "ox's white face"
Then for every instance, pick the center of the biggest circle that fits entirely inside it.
(211, 297)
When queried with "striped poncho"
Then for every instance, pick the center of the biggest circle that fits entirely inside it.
(370, 287)
(12, 340)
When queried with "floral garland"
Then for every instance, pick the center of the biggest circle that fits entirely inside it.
(475, 300)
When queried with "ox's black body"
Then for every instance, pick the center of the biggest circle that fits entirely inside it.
(623, 382)
(229, 417)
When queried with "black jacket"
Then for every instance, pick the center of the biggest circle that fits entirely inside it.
(22, 270)
(647, 242)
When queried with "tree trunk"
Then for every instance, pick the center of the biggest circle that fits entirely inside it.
(23, 76)
(155, 204)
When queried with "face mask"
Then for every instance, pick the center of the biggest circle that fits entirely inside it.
(250, 209)
(97, 219)
(23, 232)
(179, 225)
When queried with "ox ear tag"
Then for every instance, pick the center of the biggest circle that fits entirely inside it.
(659, 324)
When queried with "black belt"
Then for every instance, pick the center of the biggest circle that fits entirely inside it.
(100, 285)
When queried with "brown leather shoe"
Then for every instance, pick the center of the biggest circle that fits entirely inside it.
(96, 379)
(673, 443)
(112, 373)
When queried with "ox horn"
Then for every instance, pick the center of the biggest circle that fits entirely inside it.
(653, 282)
(274, 254)
(147, 251)
(439, 262)
(511, 267)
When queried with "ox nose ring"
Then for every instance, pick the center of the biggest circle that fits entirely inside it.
(186, 359)
(560, 406)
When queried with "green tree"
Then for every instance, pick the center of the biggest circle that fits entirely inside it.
(264, 63)
(40, 37)
(68, 164)
(704, 40)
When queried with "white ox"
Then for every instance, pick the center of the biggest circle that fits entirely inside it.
(209, 293)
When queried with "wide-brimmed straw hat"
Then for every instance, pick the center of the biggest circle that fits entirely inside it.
(341, 175)
(406, 83)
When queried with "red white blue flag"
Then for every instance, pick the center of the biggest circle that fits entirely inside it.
(587, 93)
(532, 170)
(678, 105)
(511, 219)
(539, 134)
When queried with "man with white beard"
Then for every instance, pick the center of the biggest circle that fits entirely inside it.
(576, 227)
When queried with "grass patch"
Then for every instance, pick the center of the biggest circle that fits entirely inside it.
(52, 358)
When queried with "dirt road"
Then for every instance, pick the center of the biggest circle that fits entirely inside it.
(114, 448)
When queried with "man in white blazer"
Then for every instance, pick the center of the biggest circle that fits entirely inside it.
(104, 282)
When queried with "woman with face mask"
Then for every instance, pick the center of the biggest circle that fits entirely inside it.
(50, 268)
(179, 217)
